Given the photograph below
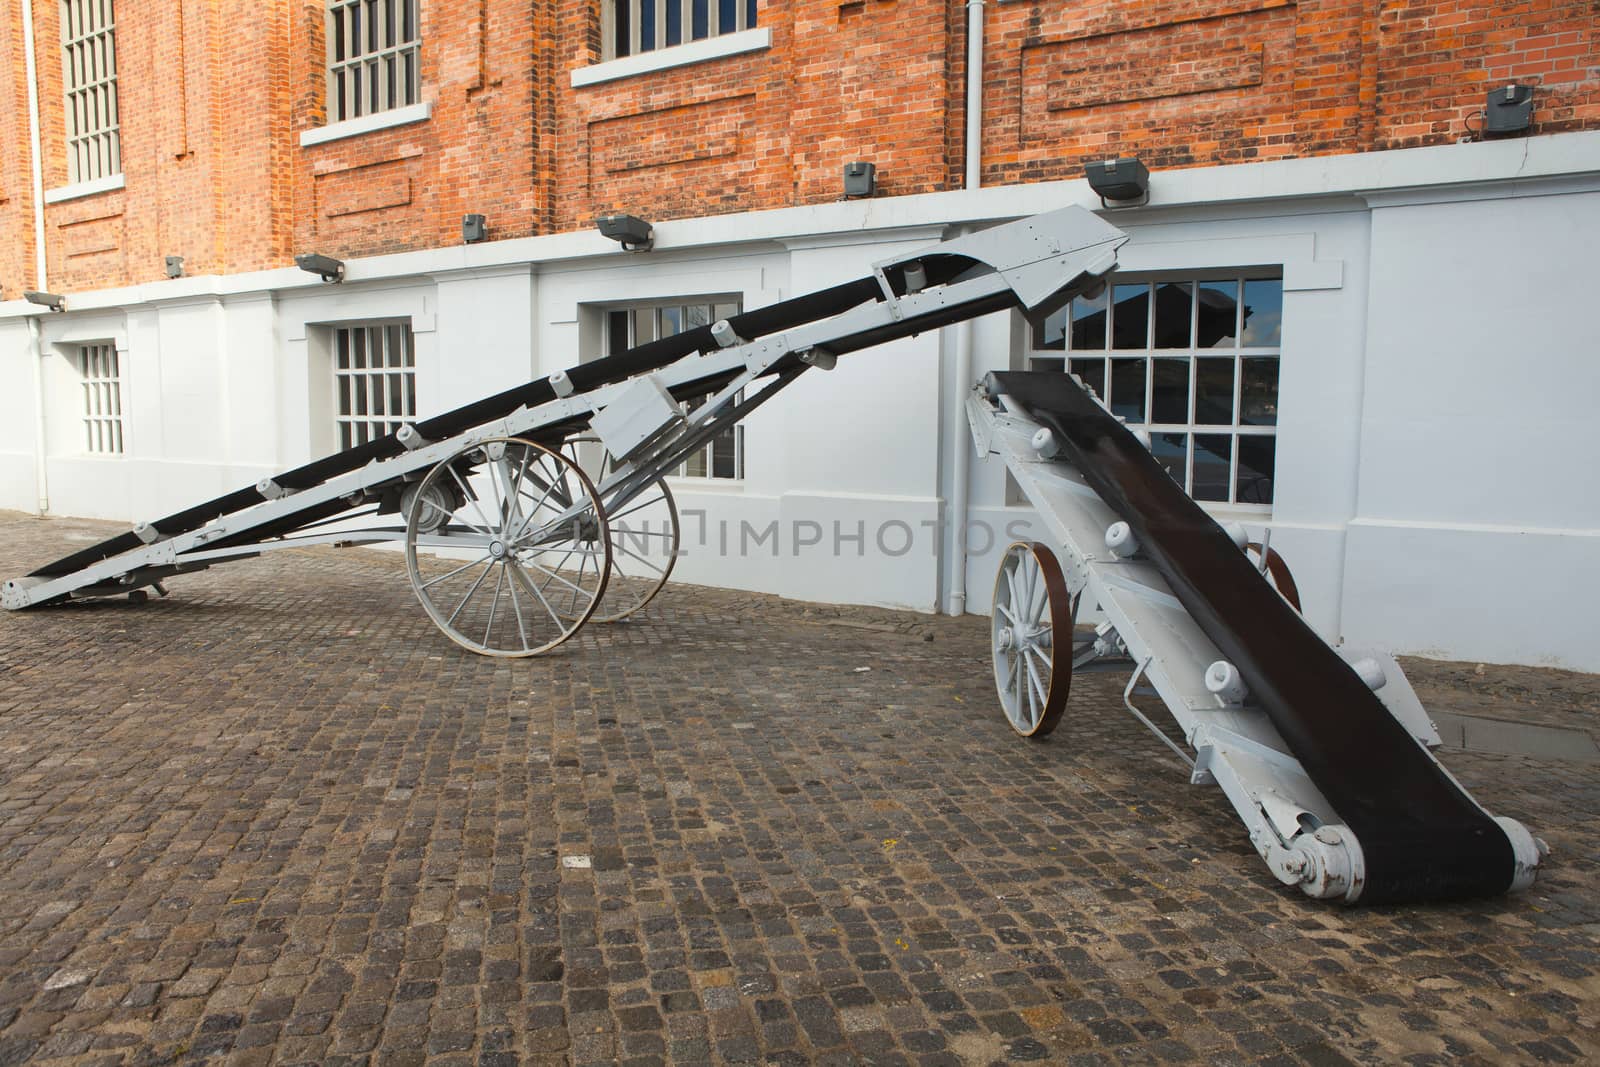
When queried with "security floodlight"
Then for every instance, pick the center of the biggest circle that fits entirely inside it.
(1119, 180)
(860, 179)
(174, 266)
(53, 301)
(474, 228)
(634, 234)
(325, 267)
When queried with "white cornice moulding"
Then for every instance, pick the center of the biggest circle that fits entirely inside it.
(109, 183)
(678, 55)
(383, 120)
(1565, 161)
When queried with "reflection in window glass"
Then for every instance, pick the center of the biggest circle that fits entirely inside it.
(1093, 373)
(1174, 310)
(1263, 311)
(1257, 454)
(1183, 354)
(1127, 389)
(1051, 334)
(1131, 316)
(1258, 392)
(1089, 322)
(1216, 314)
(1171, 450)
(1213, 392)
(1169, 391)
(1213, 462)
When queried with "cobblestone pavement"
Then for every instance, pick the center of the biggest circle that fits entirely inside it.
(277, 818)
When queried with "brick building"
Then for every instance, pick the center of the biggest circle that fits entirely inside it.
(1419, 351)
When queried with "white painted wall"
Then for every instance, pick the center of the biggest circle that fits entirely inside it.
(1434, 492)
(1478, 526)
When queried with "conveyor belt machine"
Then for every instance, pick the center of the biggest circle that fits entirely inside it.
(528, 514)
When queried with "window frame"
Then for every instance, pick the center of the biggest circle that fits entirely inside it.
(1037, 357)
(352, 429)
(746, 16)
(89, 51)
(719, 306)
(343, 18)
(99, 367)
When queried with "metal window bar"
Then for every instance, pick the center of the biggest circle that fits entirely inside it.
(633, 26)
(1099, 363)
(374, 57)
(89, 81)
(102, 399)
(374, 381)
(723, 455)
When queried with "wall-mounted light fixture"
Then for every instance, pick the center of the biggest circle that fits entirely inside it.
(474, 228)
(860, 179)
(53, 301)
(1119, 180)
(632, 232)
(174, 266)
(325, 267)
(1508, 110)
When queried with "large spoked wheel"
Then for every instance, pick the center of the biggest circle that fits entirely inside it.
(1030, 601)
(1277, 569)
(514, 547)
(644, 534)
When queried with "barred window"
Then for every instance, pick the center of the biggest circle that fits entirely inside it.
(374, 57)
(374, 380)
(89, 76)
(633, 26)
(102, 398)
(1193, 361)
(723, 456)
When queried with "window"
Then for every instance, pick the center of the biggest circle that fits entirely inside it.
(374, 57)
(634, 26)
(102, 399)
(625, 328)
(374, 381)
(89, 75)
(1193, 361)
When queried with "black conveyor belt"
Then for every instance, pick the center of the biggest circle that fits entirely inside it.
(1422, 836)
(647, 357)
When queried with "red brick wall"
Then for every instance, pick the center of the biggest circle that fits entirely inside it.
(213, 104)
(1193, 82)
(16, 182)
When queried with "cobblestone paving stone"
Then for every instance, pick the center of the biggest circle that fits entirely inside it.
(277, 818)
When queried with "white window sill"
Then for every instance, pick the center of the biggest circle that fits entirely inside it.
(678, 55)
(382, 120)
(107, 184)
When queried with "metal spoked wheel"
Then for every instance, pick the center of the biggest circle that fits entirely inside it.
(1030, 601)
(1277, 570)
(644, 533)
(515, 549)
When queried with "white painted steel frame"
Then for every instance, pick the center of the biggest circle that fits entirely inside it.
(1034, 259)
(1291, 824)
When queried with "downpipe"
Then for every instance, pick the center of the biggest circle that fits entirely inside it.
(31, 69)
(960, 495)
(41, 466)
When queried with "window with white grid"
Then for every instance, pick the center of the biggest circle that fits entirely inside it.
(374, 381)
(89, 76)
(374, 57)
(634, 26)
(1191, 360)
(723, 455)
(102, 399)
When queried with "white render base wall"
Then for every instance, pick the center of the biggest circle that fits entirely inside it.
(1434, 492)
